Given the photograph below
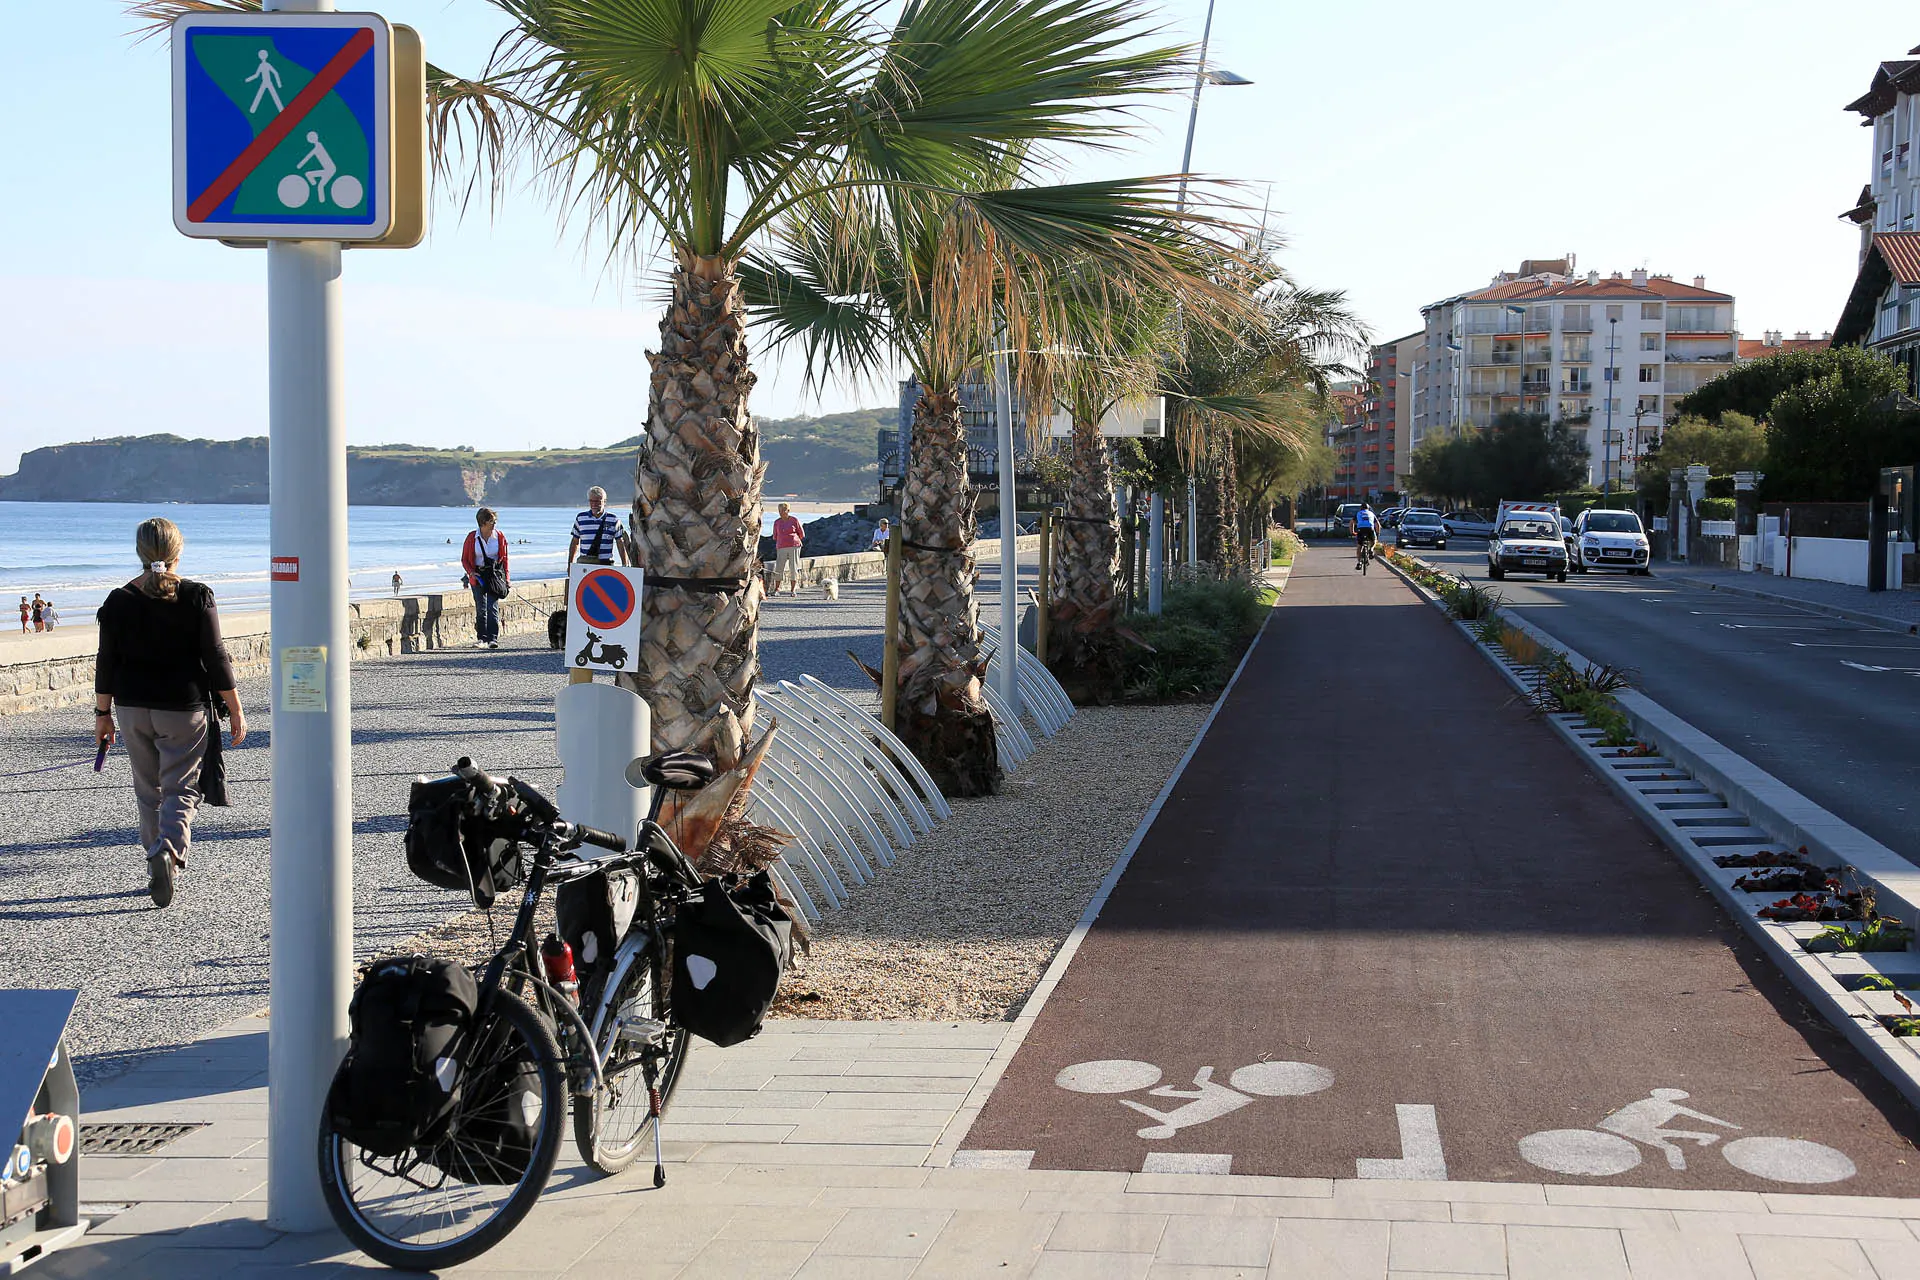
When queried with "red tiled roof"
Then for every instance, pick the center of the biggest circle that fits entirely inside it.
(1579, 290)
(1756, 349)
(1901, 249)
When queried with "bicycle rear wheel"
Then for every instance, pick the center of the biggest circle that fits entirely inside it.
(438, 1205)
(613, 1126)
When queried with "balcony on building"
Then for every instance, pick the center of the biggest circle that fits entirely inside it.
(1699, 348)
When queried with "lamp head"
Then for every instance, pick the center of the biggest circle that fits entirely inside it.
(1222, 76)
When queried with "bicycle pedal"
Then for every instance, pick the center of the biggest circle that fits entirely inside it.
(644, 1031)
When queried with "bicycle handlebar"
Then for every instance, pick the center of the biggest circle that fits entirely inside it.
(591, 835)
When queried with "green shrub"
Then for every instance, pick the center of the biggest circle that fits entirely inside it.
(1286, 545)
(1226, 605)
(1188, 660)
(1716, 508)
(1469, 601)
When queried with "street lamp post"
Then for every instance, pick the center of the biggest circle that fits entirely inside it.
(1520, 348)
(1606, 436)
(1203, 75)
(1413, 406)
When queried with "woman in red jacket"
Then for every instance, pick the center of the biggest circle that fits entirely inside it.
(485, 559)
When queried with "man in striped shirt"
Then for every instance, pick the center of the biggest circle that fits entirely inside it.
(597, 533)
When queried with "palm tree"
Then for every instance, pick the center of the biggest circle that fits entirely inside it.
(1257, 375)
(699, 123)
(943, 284)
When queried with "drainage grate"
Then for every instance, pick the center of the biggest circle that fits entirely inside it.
(130, 1139)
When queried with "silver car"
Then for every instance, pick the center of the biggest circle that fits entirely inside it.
(1467, 524)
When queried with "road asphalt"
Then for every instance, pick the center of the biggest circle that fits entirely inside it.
(1386, 925)
(1830, 707)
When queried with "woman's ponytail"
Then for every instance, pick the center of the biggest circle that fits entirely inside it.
(158, 544)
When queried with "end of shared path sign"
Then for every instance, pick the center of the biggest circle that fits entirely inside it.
(298, 126)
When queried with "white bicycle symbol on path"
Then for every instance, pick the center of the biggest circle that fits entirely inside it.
(1205, 1101)
(319, 182)
(1609, 1147)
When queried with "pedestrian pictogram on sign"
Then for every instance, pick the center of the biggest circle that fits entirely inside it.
(283, 126)
(603, 617)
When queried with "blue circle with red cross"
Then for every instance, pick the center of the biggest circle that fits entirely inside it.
(604, 599)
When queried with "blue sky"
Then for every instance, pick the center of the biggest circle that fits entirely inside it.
(1411, 150)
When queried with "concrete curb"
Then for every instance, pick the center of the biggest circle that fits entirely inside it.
(1878, 620)
(976, 1101)
(1787, 818)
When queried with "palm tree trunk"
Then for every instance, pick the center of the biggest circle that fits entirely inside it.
(1224, 549)
(696, 520)
(1087, 655)
(941, 712)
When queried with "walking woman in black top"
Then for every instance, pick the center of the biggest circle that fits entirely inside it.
(162, 662)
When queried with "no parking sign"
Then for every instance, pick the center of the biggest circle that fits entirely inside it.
(603, 617)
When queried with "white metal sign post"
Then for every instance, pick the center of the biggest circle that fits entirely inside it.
(284, 133)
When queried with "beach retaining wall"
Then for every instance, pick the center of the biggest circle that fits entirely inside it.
(57, 670)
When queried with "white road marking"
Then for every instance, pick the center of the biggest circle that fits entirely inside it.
(1770, 626)
(1821, 644)
(1581, 1152)
(1788, 1160)
(1420, 1154)
(1176, 1162)
(1861, 666)
(1110, 1075)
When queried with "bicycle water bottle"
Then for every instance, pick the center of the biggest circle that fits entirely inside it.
(557, 958)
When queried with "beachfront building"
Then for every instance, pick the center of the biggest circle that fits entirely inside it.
(1617, 352)
(1384, 451)
(1883, 308)
(977, 411)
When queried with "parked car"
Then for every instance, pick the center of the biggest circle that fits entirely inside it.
(1527, 544)
(1467, 524)
(1610, 540)
(1343, 517)
(1421, 529)
(1567, 538)
(1390, 518)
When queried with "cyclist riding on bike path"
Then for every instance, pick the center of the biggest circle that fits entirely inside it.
(1387, 925)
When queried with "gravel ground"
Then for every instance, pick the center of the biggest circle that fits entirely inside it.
(965, 922)
(74, 910)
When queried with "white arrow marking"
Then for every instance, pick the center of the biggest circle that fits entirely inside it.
(1420, 1154)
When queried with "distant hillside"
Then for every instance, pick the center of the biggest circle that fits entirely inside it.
(829, 459)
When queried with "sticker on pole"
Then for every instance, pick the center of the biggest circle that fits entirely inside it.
(603, 617)
(282, 126)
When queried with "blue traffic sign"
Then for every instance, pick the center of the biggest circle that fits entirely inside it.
(282, 126)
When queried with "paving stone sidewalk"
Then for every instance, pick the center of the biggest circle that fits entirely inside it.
(809, 1152)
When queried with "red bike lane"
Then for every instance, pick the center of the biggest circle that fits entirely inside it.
(1387, 925)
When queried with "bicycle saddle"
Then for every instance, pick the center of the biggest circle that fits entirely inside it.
(673, 770)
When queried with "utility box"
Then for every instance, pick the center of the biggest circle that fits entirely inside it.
(39, 1130)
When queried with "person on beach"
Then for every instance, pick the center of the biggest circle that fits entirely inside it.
(484, 557)
(162, 664)
(39, 613)
(597, 533)
(50, 615)
(396, 582)
(789, 536)
(881, 532)
(26, 615)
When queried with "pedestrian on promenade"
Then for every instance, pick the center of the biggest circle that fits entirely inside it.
(39, 613)
(26, 614)
(396, 582)
(597, 533)
(163, 664)
(484, 557)
(881, 533)
(789, 536)
(52, 617)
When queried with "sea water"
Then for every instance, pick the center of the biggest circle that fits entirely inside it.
(74, 553)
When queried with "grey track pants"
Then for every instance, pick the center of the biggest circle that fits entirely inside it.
(165, 749)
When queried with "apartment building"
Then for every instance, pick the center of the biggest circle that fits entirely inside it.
(1618, 351)
(1774, 341)
(1382, 461)
(1883, 308)
(1346, 420)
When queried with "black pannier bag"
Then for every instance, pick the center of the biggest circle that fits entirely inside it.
(499, 1121)
(401, 1079)
(456, 837)
(731, 943)
(591, 915)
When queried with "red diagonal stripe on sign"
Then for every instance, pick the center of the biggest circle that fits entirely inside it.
(280, 126)
(593, 584)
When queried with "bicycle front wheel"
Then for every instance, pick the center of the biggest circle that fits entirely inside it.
(443, 1203)
(638, 1047)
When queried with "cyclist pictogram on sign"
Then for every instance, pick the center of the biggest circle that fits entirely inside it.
(603, 617)
(282, 125)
